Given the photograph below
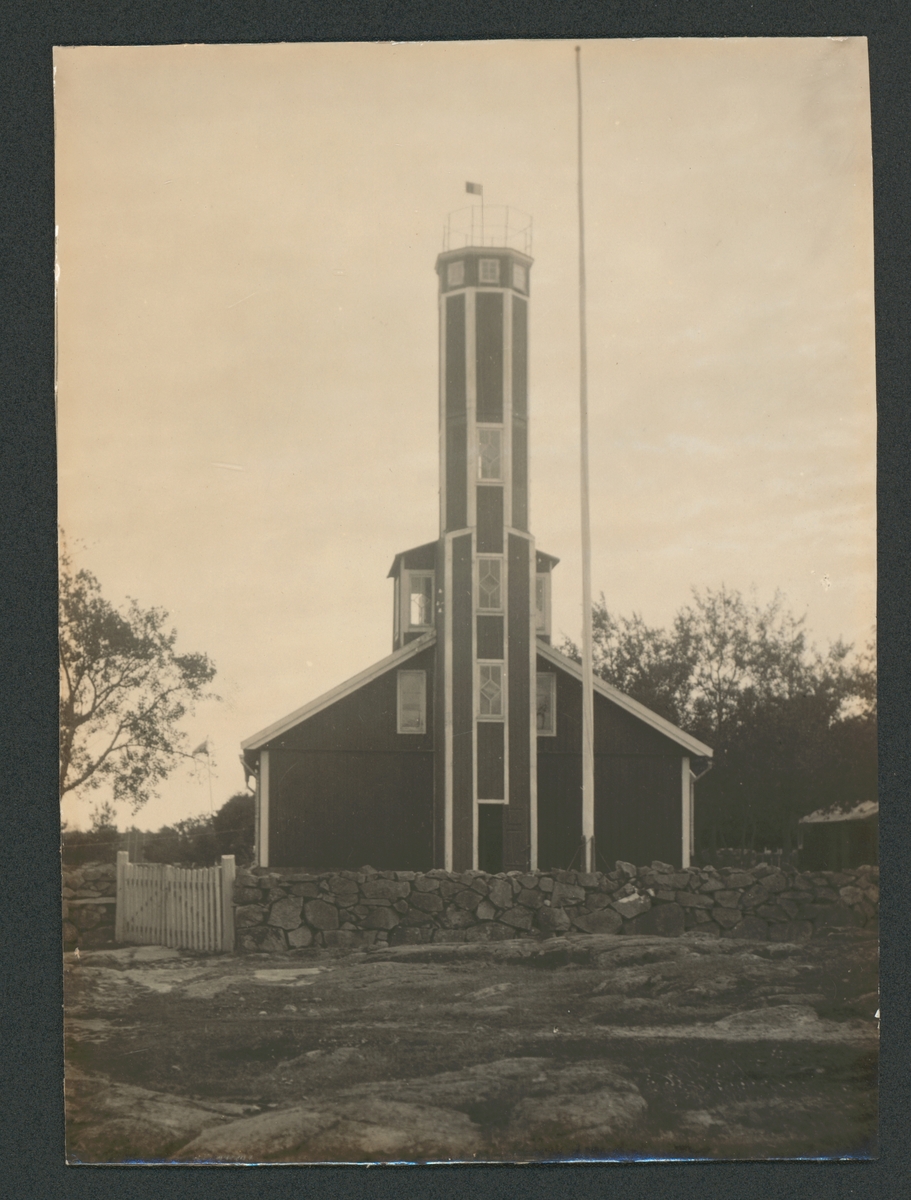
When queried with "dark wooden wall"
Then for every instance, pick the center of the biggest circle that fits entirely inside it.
(519, 413)
(517, 845)
(456, 415)
(638, 802)
(462, 706)
(347, 789)
(336, 810)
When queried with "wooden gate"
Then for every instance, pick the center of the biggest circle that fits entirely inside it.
(172, 906)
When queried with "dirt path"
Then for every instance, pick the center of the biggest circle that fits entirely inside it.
(599, 1046)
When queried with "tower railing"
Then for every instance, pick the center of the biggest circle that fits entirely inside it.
(488, 225)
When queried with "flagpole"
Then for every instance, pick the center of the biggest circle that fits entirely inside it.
(588, 748)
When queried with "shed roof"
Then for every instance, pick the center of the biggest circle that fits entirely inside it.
(860, 812)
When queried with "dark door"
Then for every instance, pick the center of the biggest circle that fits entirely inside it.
(490, 838)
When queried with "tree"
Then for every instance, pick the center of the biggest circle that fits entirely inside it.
(123, 692)
(235, 827)
(188, 843)
(98, 843)
(792, 729)
(200, 841)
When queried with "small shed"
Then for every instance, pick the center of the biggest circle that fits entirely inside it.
(831, 839)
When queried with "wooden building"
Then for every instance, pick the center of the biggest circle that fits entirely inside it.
(462, 749)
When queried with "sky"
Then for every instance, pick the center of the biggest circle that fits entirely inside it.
(247, 336)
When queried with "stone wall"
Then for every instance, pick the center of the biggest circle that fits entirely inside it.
(89, 902)
(287, 910)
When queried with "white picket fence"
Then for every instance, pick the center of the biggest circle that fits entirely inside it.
(187, 909)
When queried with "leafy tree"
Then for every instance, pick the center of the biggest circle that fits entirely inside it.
(123, 692)
(792, 729)
(200, 841)
(187, 843)
(98, 843)
(235, 827)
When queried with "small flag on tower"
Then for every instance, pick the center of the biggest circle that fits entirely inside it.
(474, 188)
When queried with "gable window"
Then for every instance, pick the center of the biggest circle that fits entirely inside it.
(542, 603)
(455, 274)
(547, 704)
(420, 599)
(489, 270)
(490, 690)
(490, 453)
(412, 702)
(490, 587)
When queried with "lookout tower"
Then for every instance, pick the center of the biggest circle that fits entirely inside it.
(462, 749)
(486, 703)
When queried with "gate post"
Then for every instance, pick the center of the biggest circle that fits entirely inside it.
(123, 857)
(227, 902)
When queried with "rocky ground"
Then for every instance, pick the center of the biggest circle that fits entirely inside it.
(579, 1046)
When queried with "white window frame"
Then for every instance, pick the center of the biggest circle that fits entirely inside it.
(520, 277)
(407, 577)
(400, 678)
(455, 273)
(500, 665)
(497, 429)
(552, 688)
(542, 615)
(485, 264)
(485, 558)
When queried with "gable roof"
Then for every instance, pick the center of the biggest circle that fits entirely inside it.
(686, 740)
(258, 740)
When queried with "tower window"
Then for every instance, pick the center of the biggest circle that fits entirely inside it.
(490, 689)
(519, 277)
(489, 270)
(455, 274)
(490, 453)
(547, 704)
(412, 702)
(420, 599)
(490, 585)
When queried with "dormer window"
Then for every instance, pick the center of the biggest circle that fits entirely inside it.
(419, 600)
(455, 274)
(489, 270)
(490, 453)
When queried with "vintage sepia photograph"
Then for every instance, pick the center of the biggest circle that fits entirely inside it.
(467, 528)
